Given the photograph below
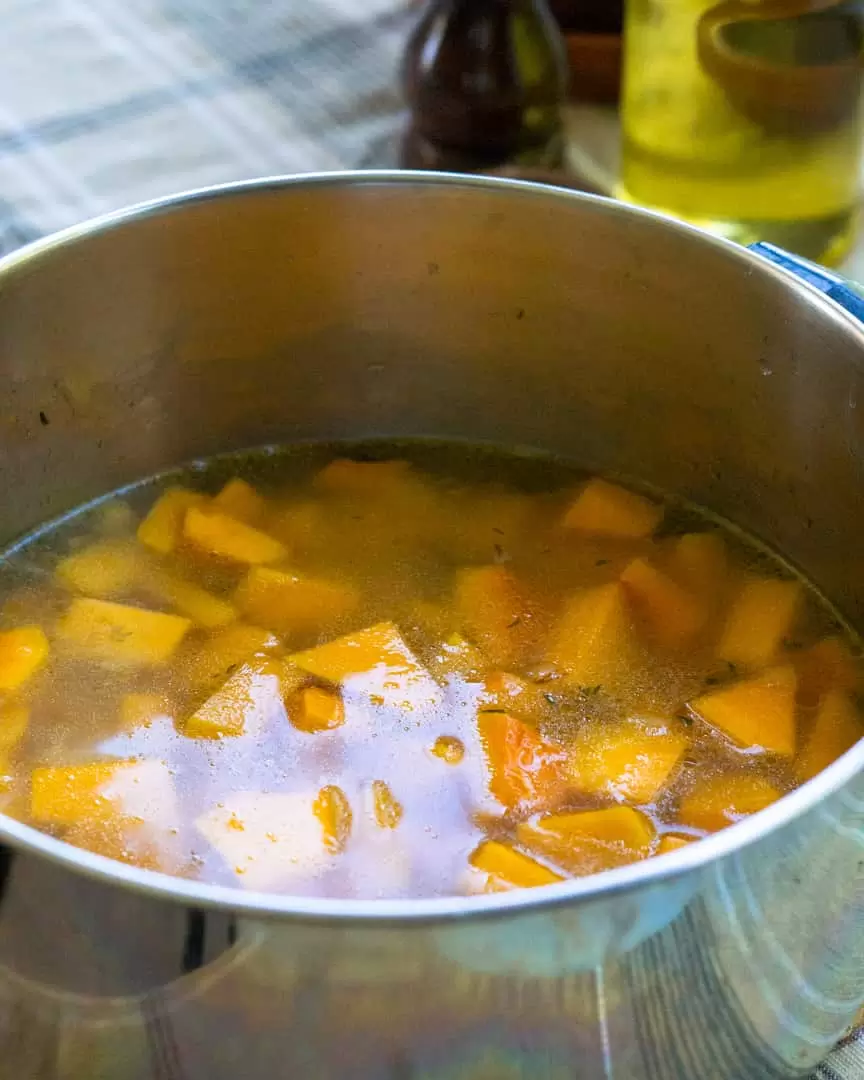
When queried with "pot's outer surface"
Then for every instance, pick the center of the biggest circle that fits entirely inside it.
(395, 305)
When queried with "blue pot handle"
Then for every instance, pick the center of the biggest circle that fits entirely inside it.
(848, 294)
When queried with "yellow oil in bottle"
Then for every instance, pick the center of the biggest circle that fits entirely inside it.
(745, 117)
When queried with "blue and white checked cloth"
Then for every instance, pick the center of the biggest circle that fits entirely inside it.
(108, 102)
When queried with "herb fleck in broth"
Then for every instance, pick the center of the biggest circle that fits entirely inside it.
(405, 670)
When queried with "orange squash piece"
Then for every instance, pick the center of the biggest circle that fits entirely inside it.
(333, 810)
(700, 562)
(836, 728)
(588, 841)
(362, 477)
(503, 692)
(104, 569)
(723, 800)
(670, 842)
(492, 611)
(593, 642)
(314, 709)
(162, 529)
(457, 656)
(120, 634)
(759, 712)
(604, 509)
(449, 748)
(241, 501)
(14, 721)
(68, 795)
(140, 710)
(22, 652)
(631, 762)
(214, 659)
(287, 604)
(202, 607)
(243, 705)
(510, 869)
(674, 617)
(762, 615)
(386, 808)
(827, 665)
(227, 538)
(524, 769)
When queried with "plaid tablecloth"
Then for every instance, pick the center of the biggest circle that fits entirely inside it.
(107, 102)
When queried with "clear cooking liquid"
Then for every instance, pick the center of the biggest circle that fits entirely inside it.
(405, 670)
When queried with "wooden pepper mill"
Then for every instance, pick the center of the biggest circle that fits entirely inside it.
(485, 82)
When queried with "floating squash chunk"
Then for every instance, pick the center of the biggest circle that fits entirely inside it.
(162, 529)
(590, 840)
(289, 604)
(762, 615)
(362, 477)
(314, 709)
(333, 811)
(700, 562)
(268, 841)
(241, 501)
(504, 692)
(22, 652)
(669, 842)
(759, 712)
(202, 607)
(592, 644)
(104, 569)
(511, 869)
(827, 665)
(524, 769)
(386, 808)
(250, 697)
(120, 634)
(489, 605)
(723, 800)
(674, 617)
(836, 728)
(213, 660)
(14, 721)
(630, 762)
(376, 661)
(226, 538)
(604, 509)
(70, 795)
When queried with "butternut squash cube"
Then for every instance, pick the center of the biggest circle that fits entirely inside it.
(314, 709)
(120, 634)
(762, 615)
(523, 768)
(827, 665)
(213, 660)
(202, 607)
(757, 713)
(287, 604)
(588, 841)
(333, 810)
(226, 538)
(107, 568)
(592, 644)
(14, 721)
(162, 529)
(669, 842)
(375, 661)
(723, 800)
(604, 509)
(632, 762)
(269, 841)
(362, 477)
(249, 699)
(22, 652)
(674, 616)
(69, 795)
(510, 869)
(241, 501)
(493, 613)
(836, 728)
(700, 562)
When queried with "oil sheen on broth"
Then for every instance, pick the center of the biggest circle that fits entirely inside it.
(405, 670)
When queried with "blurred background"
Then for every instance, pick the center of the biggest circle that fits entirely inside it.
(740, 115)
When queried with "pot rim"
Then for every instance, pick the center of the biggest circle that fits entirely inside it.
(651, 872)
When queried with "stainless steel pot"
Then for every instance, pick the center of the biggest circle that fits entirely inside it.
(399, 304)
